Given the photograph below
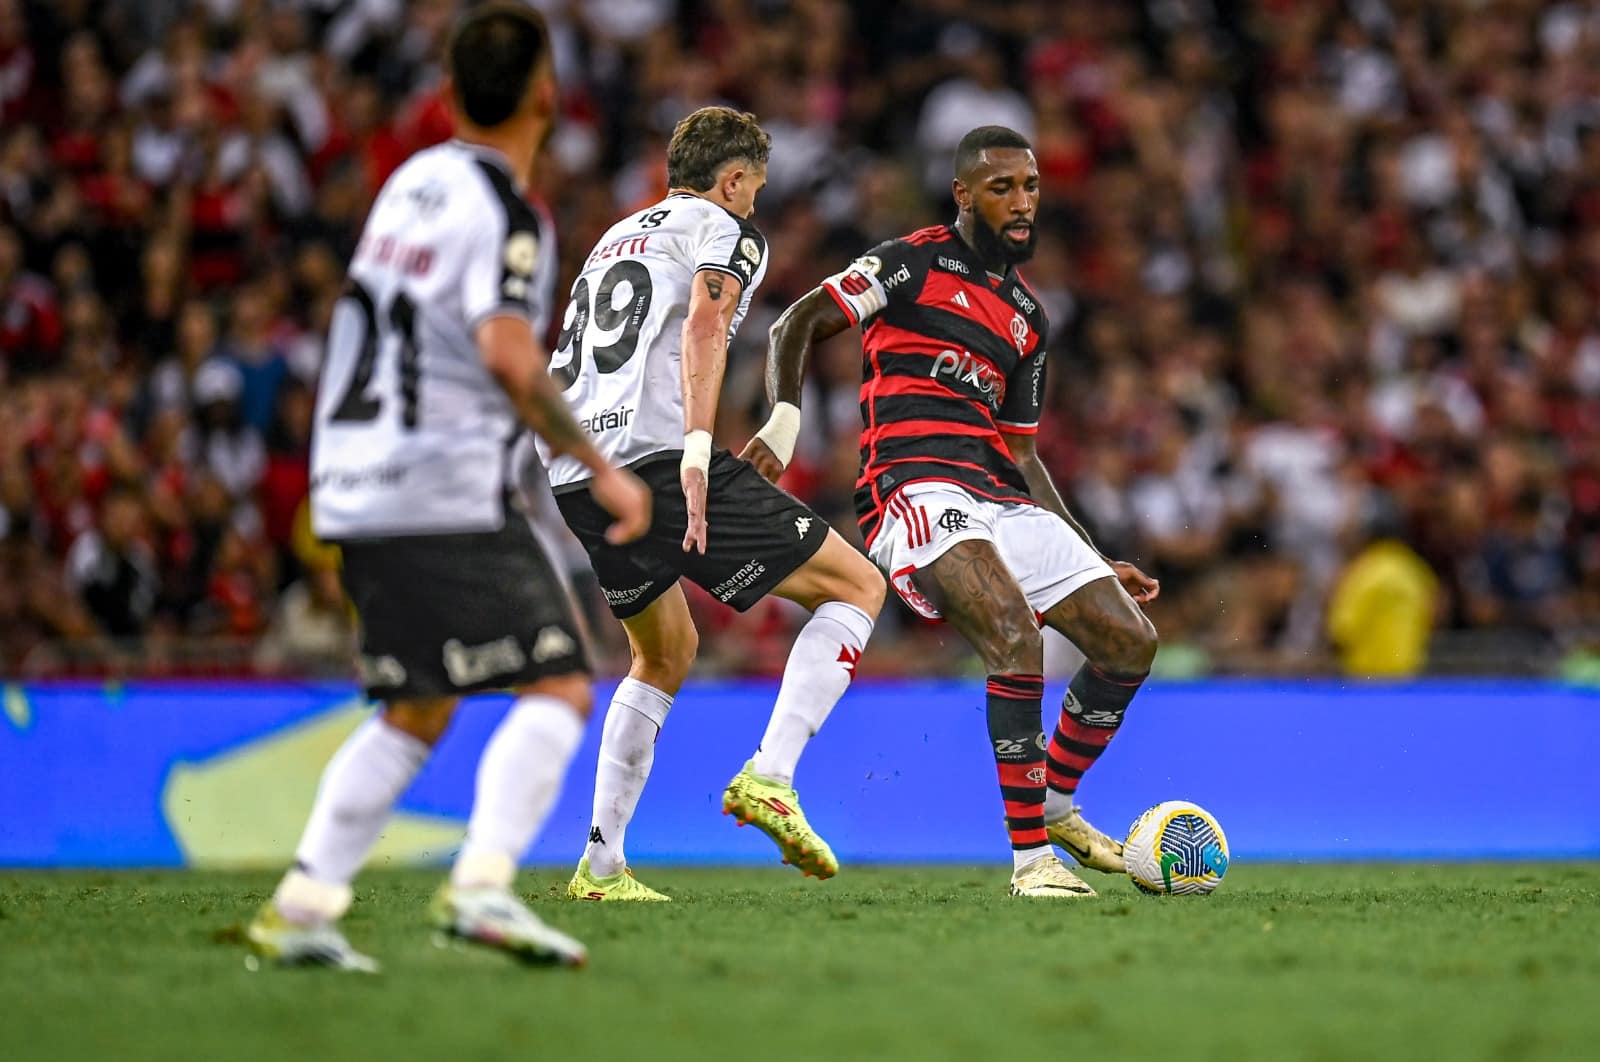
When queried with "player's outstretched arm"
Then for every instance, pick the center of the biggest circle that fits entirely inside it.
(713, 300)
(522, 369)
(1025, 453)
(814, 318)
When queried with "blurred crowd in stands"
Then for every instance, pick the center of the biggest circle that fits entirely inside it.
(1324, 279)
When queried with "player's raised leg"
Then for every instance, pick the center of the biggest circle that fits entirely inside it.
(662, 643)
(359, 787)
(844, 592)
(978, 595)
(519, 779)
(1119, 644)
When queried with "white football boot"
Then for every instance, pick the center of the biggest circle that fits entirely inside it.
(1048, 876)
(495, 918)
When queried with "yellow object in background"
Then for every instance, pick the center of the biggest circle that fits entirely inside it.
(1382, 612)
(246, 807)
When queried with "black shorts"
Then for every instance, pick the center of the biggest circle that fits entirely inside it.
(443, 615)
(756, 536)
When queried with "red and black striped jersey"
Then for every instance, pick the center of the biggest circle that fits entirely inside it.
(953, 356)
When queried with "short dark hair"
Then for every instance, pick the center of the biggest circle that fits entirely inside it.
(494, 52)
(709, 138)
(982, 139)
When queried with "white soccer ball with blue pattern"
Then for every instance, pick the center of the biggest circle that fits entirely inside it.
(1176, 849)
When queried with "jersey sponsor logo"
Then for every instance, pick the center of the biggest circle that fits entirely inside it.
(1019, 332)
(802, 525)
(385, 475)
(954, 520)
(726, 590)
(468, 665)
(1020, 297)
(954, 265)
(551, 643)
(963, 368)
(895, 279)
(607, 420)
(960, 299)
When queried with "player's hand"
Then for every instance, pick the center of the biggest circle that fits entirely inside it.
(694, 500)
(757, 453)
(623, 495)
(1139, 586)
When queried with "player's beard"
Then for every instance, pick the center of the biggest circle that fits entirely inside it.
(993, 247)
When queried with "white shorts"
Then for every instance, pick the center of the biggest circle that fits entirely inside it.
(1043, 553)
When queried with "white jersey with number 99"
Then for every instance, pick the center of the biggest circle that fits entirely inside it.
(618, 357)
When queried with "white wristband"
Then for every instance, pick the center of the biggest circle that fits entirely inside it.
(781, 431)
(696, 451)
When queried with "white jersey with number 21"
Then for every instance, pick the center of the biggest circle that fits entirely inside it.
(412, 432)
(619, 354)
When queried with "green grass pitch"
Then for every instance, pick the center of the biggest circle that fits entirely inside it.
(1344, 962)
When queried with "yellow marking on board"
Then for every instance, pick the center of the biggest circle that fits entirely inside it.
(18, 709)
(247, 806)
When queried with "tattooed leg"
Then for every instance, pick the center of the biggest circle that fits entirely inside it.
(980, 598)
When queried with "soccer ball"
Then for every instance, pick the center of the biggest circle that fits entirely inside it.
(1176, 848)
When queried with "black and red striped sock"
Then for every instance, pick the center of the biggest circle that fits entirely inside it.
(1091, 712)
(1018, 741)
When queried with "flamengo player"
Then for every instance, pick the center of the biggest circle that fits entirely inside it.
(641, 354)
(955, 505)
(431, 362)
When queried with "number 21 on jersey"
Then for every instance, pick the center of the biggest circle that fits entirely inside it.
(357, 405)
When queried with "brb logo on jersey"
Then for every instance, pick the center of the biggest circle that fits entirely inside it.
(963, 368)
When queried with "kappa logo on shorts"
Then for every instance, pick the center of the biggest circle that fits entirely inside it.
(468, 665)
(381, 671)
(954, 520)
(551, 643)
(802, 524)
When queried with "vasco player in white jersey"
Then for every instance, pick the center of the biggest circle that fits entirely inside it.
(641, 355)
(431, 365)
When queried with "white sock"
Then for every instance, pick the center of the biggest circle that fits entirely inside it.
(519, 778)
(1057, 806)
(1021, 857)
(627, 750)
(358, 790)
(821, 665)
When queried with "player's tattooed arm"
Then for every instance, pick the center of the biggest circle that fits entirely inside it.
(713, 300)
(1025, 453)
(811, 320)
